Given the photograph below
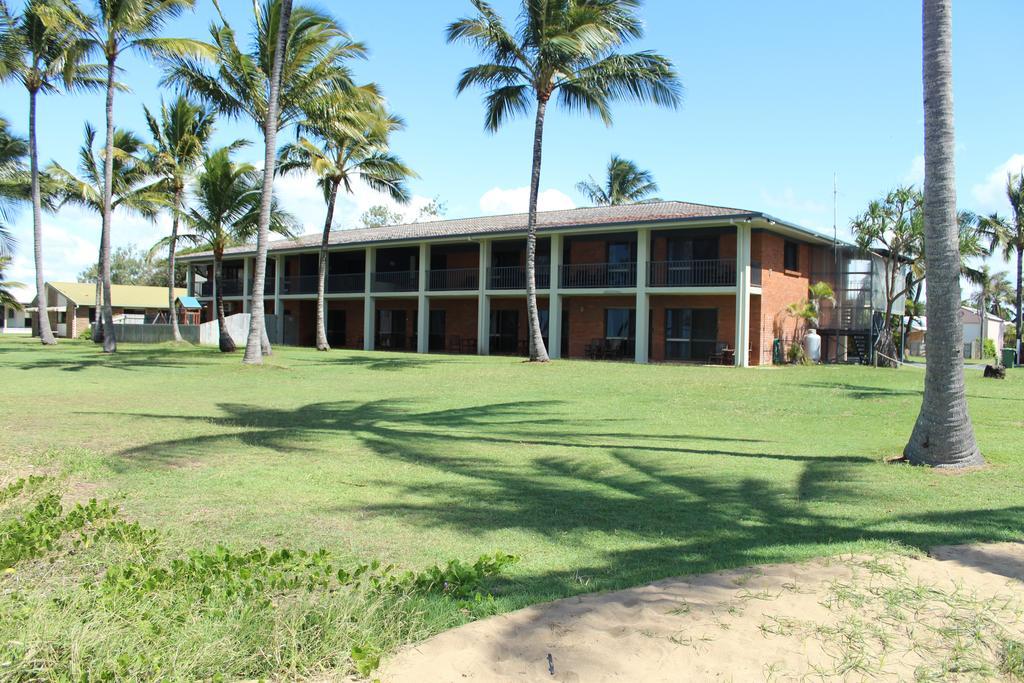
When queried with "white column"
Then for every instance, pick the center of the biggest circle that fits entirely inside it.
(643, 301)
(246, 270)
(368, 303)
(742, 295)
(483, 302)
(422, 303)
(190, 280)
(555, 301)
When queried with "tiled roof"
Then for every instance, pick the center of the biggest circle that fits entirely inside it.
(510, 223)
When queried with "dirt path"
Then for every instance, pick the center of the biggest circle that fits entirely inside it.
(955, 615)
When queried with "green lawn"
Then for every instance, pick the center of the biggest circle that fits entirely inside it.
(596, 475)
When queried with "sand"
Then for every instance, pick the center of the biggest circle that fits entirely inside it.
(944, 617)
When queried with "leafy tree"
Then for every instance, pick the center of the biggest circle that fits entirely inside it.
(130, 265)
(890, 224)
(117, 27)
(132, 189)
(1008, 236)
(993, 288)
(180, 136)
(624, 183)
(269, 84)
(378, 216)
(810, 308)
(432, 210)
(46, 55)
(344, 140)
(226, 210)
(566, 49)
(943, 435)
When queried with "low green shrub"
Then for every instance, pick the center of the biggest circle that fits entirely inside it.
(88, 596)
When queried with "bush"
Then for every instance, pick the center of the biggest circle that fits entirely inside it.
(87, 596)
(796, 354)
(989, 349)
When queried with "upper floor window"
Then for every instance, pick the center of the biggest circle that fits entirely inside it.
(791, 256)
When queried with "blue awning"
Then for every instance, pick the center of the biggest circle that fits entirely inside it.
(189, 302)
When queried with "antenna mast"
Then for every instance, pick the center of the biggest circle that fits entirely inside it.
(835, 216)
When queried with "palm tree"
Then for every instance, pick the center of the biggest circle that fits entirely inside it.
(625, 183)
(133, 191)
(45, 55)
(269, 84)
(117, 27)
(1008, 235)
(13, 151)
(346, 140)
(565, 49)
(225, 211)
(943, 435)
(7, 298)
(180, 136)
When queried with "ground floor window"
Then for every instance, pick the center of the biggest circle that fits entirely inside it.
(690, 333)
(504, 331)
(391, 329)
(336, 324)
(619, 331)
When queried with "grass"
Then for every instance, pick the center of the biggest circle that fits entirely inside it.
(595, 475)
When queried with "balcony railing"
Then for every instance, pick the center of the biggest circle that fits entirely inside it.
(398, 281)
(338, 283)
(590, 275)
(693, 273)
(514, 277)
(228, 287)
(449, 279)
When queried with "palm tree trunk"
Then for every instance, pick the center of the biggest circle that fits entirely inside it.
(45, 333)
(1020, 272)
(227, 344)
(538, 352)
(109, 341)
(171, 247)
(97, 327)
(943, 435)
(321, 331)
(257, 345)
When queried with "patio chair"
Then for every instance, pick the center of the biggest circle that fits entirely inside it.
(717, 357)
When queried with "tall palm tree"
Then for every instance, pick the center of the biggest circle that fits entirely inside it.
(269, 84)
(45, 55)
(565, 49)
(180, 136)
(342, 141)
(943, 435)
(225, 211)
(13, 150)
(117, 27)
(1008, 236)
(132, 188)
(624, 183)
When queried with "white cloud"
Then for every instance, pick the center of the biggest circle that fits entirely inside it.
(517, 200)
(71, 242)
(990, 195)
(915, 176)
(300, 195)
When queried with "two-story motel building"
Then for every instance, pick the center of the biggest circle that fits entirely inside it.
(660, 281)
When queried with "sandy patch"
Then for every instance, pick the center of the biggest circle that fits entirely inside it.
(944, 617)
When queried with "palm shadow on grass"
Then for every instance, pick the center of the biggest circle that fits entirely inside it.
(683, 520)
(128, 360)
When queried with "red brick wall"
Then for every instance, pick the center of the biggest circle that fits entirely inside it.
(586, 319)
(586, 251)
(459, 319)
(461, 258)
(779, 287)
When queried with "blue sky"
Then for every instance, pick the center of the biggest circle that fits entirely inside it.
(779, 96)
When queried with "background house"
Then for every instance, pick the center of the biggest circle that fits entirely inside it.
(72, 305)
(15, 321)
(973, 344)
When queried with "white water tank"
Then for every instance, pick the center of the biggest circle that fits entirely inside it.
(812, 346)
